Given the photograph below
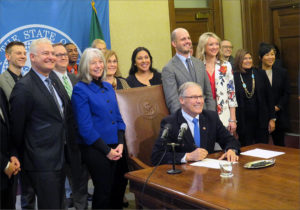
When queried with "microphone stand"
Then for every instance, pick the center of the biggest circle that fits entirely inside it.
(173, 170)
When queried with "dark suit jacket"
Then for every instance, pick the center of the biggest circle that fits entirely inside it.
(174, 74)
(4, 140)
(281, 93)
(264, 98)
(211, 131)
(38, 129)
(73, 153)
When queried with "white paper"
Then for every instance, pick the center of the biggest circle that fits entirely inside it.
(262, 153)
(209, 163)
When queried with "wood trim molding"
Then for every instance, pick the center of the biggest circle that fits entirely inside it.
(218, 18)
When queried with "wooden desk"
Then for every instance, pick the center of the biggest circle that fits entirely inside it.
(275, 187)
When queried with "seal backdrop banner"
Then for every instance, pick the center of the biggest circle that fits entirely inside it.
(58, 20)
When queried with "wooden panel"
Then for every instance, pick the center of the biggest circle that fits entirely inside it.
(256, 23)
(186, 18)
(286, 37)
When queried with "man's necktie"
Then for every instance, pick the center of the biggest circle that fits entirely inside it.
(67, 85)
(196, 132)
(191, 69)
(54, 96)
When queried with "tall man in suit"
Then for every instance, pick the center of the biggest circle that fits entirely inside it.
(183, 68)
(15, 54)
(76, 172)
(10, 165)
(204, 129)
(38, 120)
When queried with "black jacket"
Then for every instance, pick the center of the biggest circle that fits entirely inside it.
(211, 131)
(264, 100)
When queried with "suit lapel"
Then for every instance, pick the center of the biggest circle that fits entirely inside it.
(203, 131)
(8, 78)
(45, 91)
(188, 137)
(181, 68)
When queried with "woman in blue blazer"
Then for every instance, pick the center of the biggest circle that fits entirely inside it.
(100, 126)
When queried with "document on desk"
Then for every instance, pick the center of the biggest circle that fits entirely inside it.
(209, 163)
(262, 153)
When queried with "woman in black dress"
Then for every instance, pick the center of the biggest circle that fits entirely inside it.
(141, 72)
(255, 112)
(278, 78)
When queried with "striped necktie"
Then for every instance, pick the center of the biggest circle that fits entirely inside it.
(67, 85)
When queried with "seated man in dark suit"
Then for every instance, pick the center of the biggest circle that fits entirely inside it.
(204, 129)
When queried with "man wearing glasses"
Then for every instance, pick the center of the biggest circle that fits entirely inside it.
(226, 48)
(76, 172)
(38, 116)
(204, 129)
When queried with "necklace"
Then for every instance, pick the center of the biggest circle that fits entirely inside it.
(248, 94)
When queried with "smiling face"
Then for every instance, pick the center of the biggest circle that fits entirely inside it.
(226, 48)
(96, 67)
(62, 59)
(142, 61)
(268, 59)
(112, 65)
(44, 59)
(192, 101)
(72, 53)
(247, 61)
(16, 57)
(212, 47)
(182, 43)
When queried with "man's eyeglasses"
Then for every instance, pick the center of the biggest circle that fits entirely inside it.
(228, 47)
(193, 97)
(61, 55)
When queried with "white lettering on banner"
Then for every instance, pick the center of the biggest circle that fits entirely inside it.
(27, 34)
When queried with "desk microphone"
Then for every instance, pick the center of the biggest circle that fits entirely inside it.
(183, 128)
(166, 130)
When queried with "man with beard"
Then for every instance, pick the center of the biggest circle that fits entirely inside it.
(184, 68)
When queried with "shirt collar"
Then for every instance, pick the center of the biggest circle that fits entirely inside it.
(42, 77)
(182, 58)
(187, 116)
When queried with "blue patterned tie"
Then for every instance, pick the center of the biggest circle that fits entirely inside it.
(196, 132)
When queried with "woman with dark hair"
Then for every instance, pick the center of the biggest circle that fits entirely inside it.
(278, 78)
(101, 128)
(141, 72)
(255, 112)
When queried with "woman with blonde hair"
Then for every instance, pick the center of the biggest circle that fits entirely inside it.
(220, 75)
(113, 74)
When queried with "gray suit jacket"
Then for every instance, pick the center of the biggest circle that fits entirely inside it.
(7, 83)
(175, 74)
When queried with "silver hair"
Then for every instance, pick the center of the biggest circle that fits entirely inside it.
(84, 65)
(37, 42)
(185, 86)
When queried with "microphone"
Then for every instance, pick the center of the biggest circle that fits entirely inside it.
(183, 128)
(165, 132)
